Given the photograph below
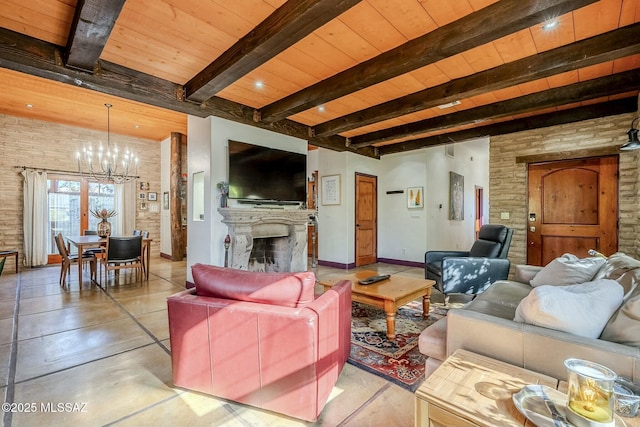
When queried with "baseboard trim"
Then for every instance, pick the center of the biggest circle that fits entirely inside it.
(336, 264)
(384, 260)
(401, 262)
(165, 256)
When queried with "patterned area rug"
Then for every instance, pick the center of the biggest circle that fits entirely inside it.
(398, 361)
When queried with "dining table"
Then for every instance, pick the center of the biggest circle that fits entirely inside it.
(94, 241)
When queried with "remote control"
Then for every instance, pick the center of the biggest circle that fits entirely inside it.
(373, 279)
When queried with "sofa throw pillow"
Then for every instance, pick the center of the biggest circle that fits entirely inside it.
(581, 309)
(622, 268)
(624, 325)
(285, 289)
(568, 270)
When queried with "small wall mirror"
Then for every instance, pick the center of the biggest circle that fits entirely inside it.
(198, 196)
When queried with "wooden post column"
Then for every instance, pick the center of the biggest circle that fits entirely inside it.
(177, 241)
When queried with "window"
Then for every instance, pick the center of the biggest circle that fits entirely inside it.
(70, 202)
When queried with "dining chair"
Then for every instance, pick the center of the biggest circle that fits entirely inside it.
(68, 259)
(122, 252)
(96, 251)
(145, 235)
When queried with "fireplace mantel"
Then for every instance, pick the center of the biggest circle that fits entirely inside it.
(248, 224)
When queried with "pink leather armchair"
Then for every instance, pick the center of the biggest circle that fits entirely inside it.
(261, 339)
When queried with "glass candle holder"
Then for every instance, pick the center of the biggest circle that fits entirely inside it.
(590, 396)
(626, 397)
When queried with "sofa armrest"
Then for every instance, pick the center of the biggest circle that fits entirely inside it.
(437, 256)
(472, 275)
(333, 308)
(524, 273)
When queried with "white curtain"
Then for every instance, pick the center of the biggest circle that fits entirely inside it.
(125, 204)
(35, 218)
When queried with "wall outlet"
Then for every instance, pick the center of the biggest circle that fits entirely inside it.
(404, 251)
(504, 215)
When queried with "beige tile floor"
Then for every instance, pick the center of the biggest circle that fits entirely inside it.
(105, 356)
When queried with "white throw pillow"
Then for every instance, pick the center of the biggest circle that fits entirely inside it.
(568, 270)
(582, 309)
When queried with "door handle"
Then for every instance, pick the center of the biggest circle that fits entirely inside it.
(357, 225)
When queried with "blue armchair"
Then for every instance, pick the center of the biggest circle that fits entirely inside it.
(471, 272)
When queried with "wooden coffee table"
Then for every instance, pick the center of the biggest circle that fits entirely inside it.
(388, 294)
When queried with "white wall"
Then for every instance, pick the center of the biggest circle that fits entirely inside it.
(312, 162)
(199, 157)
(471, 161)
(404, 234)
(165, 185)
(207, 151)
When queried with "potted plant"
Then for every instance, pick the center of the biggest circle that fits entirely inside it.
(104, 226)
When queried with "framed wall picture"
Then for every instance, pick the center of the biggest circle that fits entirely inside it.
(165, 200)
(142, 196)
(415, 197)
(144, 185)
(456, 196)
(330, 189)
(152, 197)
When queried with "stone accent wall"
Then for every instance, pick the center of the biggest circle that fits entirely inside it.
(508, 180)
(39, 144)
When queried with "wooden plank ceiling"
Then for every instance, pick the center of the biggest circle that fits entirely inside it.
(370, 76)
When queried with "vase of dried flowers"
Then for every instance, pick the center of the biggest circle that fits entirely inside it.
(104, 226)
(223, 188)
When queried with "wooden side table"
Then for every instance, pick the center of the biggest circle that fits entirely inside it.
(473, 390)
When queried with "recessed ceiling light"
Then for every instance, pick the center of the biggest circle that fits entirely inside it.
(29, 105)
(449, 105)
(136, 126)
(321, 108)
(259, 84)
(550, 25)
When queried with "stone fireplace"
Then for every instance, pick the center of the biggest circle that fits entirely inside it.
(267, 239)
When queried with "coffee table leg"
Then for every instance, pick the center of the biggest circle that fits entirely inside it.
(391, 325)
(426, 303)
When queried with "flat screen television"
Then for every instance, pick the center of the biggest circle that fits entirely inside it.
(259, 173)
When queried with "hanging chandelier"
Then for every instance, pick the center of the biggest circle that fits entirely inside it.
(108, 165)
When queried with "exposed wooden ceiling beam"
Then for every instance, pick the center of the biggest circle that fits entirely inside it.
(286, 26)
(488, 24)
(610, 108)
(92, 24)
(606, 47)
(577, 92)
(38, 58)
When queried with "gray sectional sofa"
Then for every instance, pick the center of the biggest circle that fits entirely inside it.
(486, 326)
